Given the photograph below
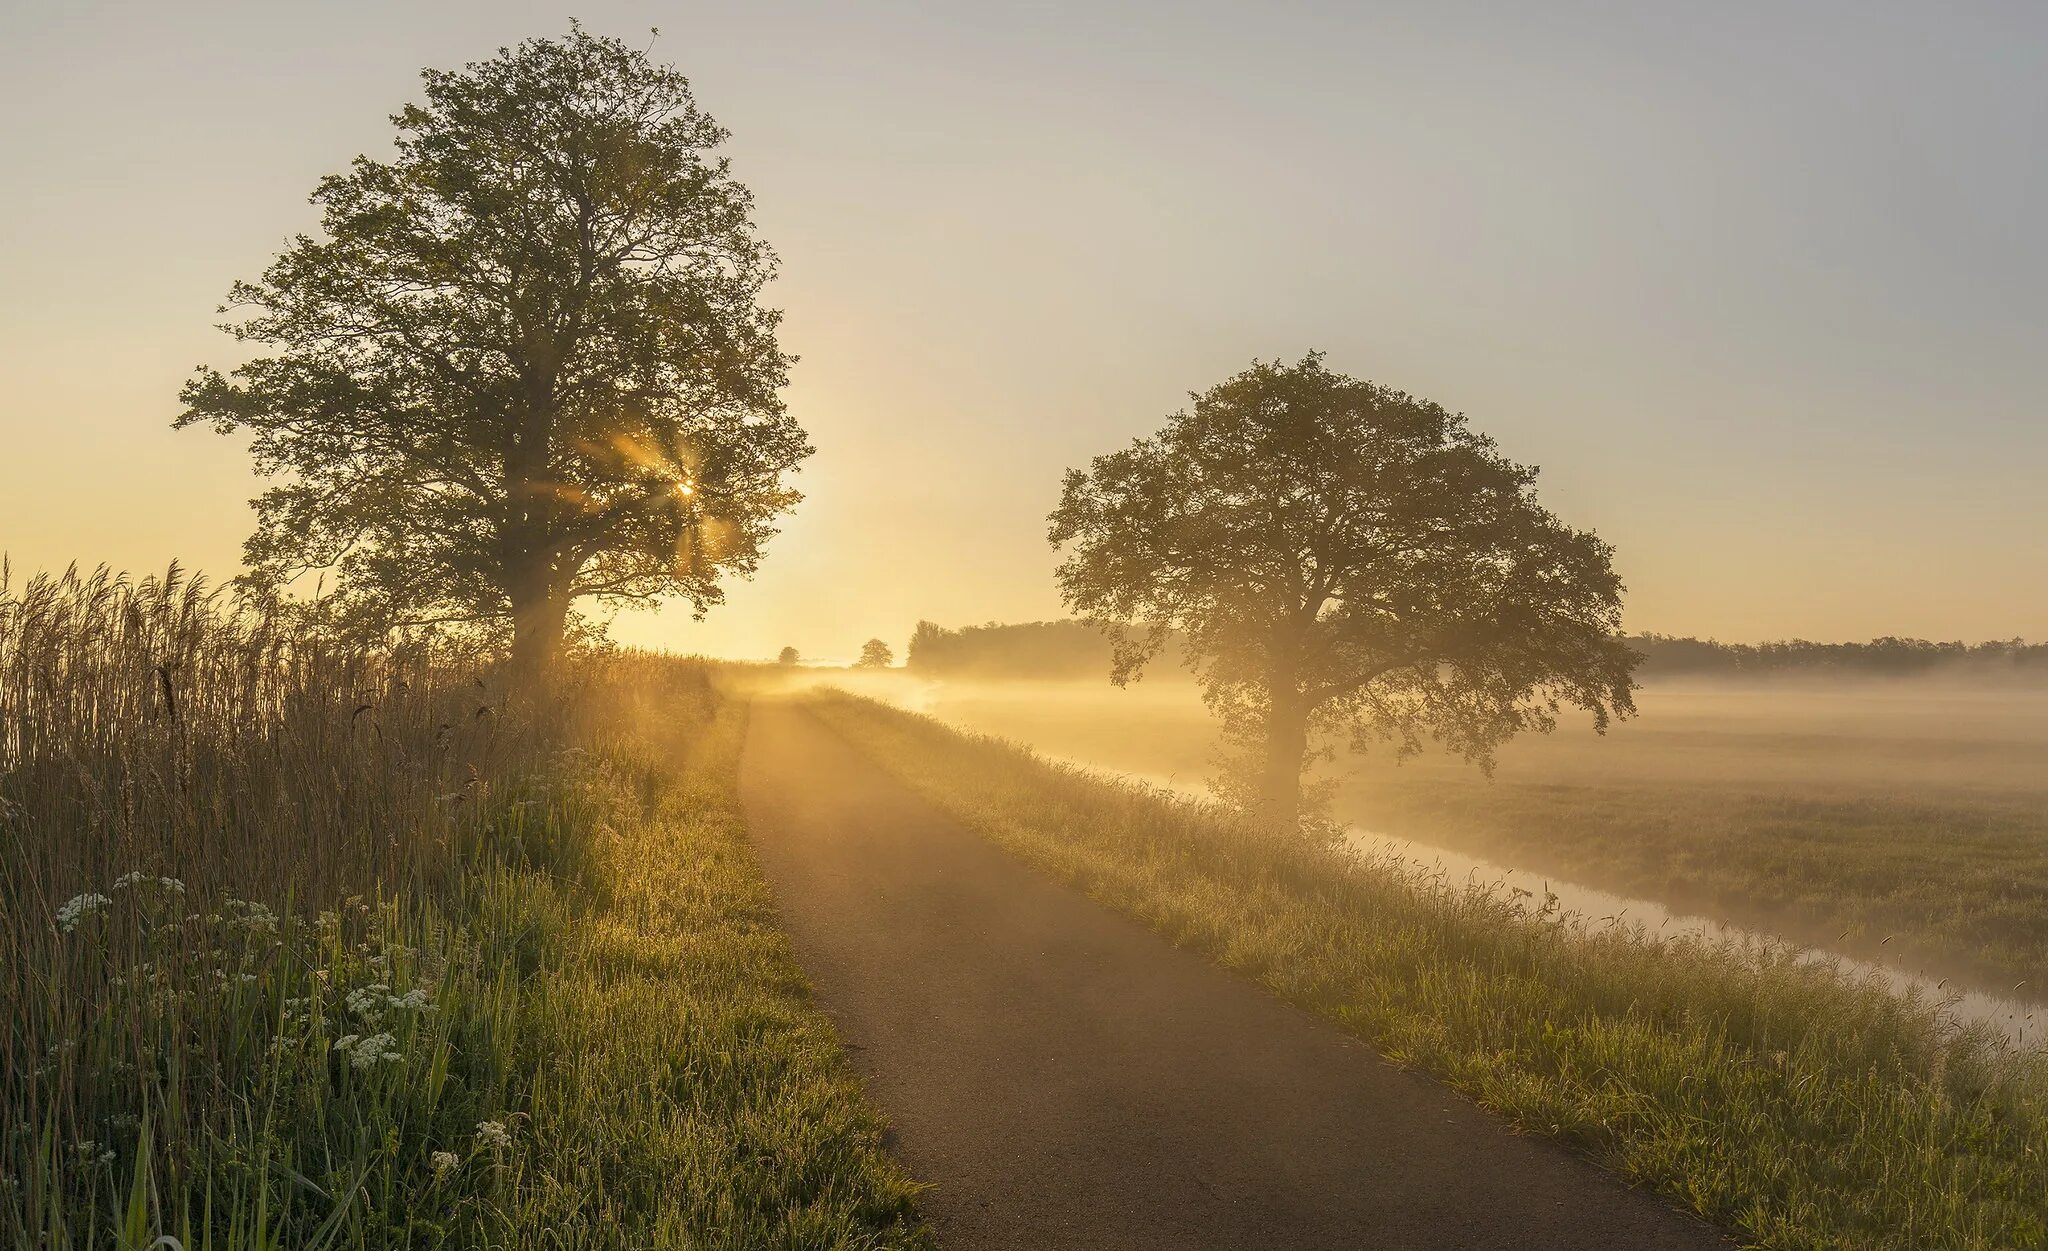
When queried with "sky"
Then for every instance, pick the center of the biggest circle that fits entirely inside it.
(1761, 286)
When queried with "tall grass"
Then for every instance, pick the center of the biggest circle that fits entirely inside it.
(1792, 1104)
(306, 943)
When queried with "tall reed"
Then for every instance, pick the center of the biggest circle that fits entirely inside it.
(309, 941)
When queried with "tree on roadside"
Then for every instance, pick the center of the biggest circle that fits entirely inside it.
(788, 656)
(875, 654)
(1342, 561)
(526, 365)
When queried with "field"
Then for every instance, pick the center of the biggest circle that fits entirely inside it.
(313, 944)
(310, 946)
(1801, 1108)
(1905, 821)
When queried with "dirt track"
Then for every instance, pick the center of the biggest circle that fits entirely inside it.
(1068, 1079)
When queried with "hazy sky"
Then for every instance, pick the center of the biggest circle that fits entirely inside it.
(1763, 287)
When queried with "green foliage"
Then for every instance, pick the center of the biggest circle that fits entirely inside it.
(1340, 557)
(1782, 1100)
(527, 363)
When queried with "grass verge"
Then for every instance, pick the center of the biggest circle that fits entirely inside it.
(1782, 1101)
(310, 946)
(1947, 883)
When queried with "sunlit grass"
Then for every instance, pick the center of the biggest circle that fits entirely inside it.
(1902, 821)
(1803, 1109)
(1950, 883)
(311, 945)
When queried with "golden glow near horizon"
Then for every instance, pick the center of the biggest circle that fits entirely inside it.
(1766, 309)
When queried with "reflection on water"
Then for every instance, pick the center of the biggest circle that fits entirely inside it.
(1038, 718)
(1591, 908)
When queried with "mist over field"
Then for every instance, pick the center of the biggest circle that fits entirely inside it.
(482, 769)
(1898, 819)
(1879, 736)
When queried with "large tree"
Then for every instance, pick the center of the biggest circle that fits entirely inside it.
(1343, 561)
(525, 364)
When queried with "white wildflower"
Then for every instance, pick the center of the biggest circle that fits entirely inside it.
(90, 1152)
(444, 1163)
(494, 1133)
(416, 999)
(252, 916)
(137, 877)
(78, 908)
(364, 1052)
(368, 1002)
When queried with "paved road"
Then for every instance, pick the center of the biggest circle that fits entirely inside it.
(1067, 1079)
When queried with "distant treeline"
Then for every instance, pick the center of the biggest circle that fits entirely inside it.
(1033, 649)
(1667, 655)
(1077, 649)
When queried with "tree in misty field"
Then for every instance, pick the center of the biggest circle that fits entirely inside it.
(1342, 560)
(526, 365)
(926, 641)
(875, 654)
(788, 656)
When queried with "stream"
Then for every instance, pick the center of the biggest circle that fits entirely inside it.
(1589, 907)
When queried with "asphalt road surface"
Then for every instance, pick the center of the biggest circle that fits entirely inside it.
(1067, 1079)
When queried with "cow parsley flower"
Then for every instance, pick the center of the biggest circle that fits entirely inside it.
(254, 917)
(494, 1133)
(137, 877)
(364, 1051)
(369, 1002)
(444, 1163)
(78, 908)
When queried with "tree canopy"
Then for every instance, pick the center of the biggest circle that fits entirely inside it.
(1343, 560)
(526, 363)
(875, 654)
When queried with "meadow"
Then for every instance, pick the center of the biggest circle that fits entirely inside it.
(1801, 1107)
(1903, 820)
(311, 944)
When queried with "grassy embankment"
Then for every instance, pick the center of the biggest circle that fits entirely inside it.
(309, 947)
(1952, 886)
(1776, 1099)
(1902, 820)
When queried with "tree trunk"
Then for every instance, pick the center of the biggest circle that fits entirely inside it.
(1286, 749)
(540, 618)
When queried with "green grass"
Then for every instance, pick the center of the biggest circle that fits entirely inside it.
(1903, 821)
(1787, 1103)
(305, 945)
(1949, 884)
